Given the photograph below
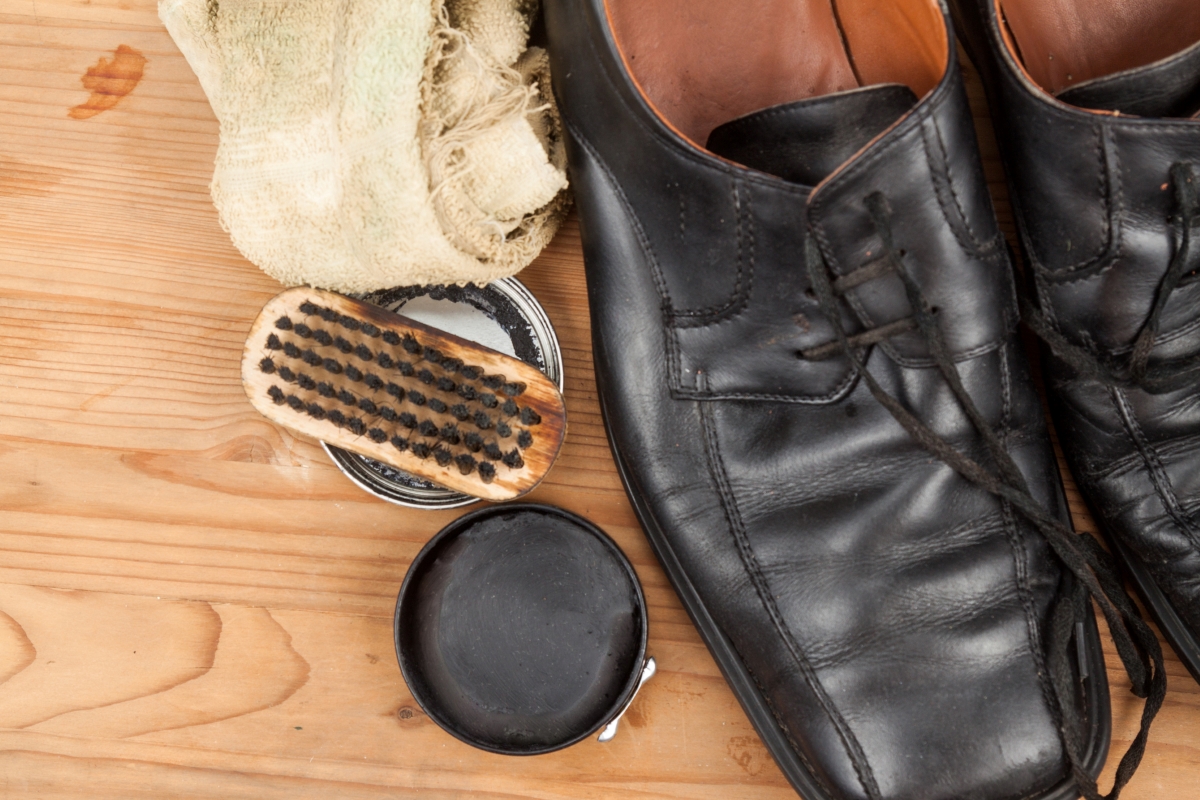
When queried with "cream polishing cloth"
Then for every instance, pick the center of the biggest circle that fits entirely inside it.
(375, 143)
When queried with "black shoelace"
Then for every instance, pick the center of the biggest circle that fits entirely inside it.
(1093, 569)
(1135, 371)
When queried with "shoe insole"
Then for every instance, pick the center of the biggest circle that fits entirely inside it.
(1064, 42)
(702, 63)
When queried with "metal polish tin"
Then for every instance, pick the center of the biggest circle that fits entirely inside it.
(504, 316)
(521, 629)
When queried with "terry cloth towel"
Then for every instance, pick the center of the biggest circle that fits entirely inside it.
(367, 144)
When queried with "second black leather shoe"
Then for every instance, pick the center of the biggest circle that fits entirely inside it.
(804, 337)
(1098, 126)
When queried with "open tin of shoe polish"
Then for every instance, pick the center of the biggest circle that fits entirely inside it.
(503, 316)
(521, 629)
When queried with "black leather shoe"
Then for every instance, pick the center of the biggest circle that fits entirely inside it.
(1104, 169)
(804, 337)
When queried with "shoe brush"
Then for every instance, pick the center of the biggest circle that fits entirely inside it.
(416, 398)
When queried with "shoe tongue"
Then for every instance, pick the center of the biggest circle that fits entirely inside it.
(805, 141)
(1166, 88)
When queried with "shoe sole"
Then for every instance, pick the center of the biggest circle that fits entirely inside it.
(746, 690)
(1170, 624)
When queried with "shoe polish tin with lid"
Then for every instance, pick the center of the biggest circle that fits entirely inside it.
(504, 316)
(521, 629)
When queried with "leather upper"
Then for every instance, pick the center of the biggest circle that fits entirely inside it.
(891, 613)
(1092, 196)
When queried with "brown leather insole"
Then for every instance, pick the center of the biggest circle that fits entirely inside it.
(1065, 42)
(701, 63)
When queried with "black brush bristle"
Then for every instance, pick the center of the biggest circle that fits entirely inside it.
(441, 440)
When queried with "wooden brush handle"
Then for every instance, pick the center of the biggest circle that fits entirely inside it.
(416, 398)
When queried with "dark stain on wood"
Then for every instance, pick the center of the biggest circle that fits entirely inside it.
(110, 80)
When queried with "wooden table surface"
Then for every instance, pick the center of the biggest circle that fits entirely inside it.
(194, 603)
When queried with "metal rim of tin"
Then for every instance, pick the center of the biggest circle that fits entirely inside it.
(644, 667)
(543, 352)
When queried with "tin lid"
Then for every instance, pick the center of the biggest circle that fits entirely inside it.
(521, 629)
(504, 316)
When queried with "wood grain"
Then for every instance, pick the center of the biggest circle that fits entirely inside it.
(535, 393)
(195, 603)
